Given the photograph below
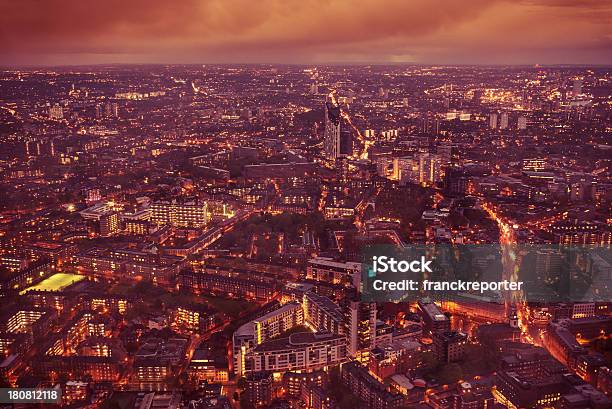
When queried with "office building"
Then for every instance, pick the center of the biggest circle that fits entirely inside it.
(528, 391)
(331, 138)
(433, 319)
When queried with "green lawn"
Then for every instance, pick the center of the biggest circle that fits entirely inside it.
(56, 282)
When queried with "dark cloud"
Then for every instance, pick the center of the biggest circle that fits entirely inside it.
(445, 31)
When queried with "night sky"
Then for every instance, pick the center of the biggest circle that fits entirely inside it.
(49, 32)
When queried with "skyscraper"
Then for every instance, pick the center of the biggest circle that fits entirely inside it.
(577, 87)
(406, 170)
(346, 142)
(51, 147)
(493, 121)
(331, 140)
(522, 123)
(503, 121)
(429, 169)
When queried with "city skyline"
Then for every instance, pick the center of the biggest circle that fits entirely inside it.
(209, 32)
(390, 204)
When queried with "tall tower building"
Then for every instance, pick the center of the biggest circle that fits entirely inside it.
(493, 121)
(51, 145)
(406, 170)
(331, 140)
(361, 329)
(503, 121)
(577, 87)
(346, 142)
(430, 170)
(109, 224)
(522, 123)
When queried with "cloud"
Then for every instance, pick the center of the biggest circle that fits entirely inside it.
(461, 31)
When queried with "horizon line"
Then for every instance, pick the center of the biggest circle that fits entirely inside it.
(332, 64)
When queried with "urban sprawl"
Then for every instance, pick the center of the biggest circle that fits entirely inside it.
(191, 236)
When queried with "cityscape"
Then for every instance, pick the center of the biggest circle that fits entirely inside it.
(369, 204)
(190, 236)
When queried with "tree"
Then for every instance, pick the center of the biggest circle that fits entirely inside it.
(245, 403)
(450, 373)
(241, 383)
